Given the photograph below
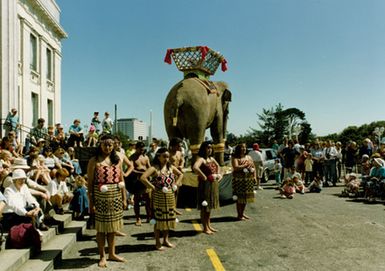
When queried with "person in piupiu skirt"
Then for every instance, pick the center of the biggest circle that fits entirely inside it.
(164, 181)
(207, 169)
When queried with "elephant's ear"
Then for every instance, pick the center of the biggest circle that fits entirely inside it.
(226, 96)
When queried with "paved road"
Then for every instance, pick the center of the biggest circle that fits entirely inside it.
(309, 232)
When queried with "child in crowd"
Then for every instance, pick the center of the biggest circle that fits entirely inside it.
(40, 172)
(365, 165)
(315, 186)
(298, 184)
(59, 191)
(352, 185)
(308, 169)
(287, 189)
(277, 171)
(79, 203)
(92, 137)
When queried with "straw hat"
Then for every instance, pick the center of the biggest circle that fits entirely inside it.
(18, 174)
(19, 163)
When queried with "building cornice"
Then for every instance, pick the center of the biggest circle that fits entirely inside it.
(57, 28)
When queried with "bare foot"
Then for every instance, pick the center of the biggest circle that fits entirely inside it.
(168, 244)
(160, 247)
(209, 232)
(138, 222)
(102, 263)
(116, 258)
(212, 229)
(119, 233)
(245, 216)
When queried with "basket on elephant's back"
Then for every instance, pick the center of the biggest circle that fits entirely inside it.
(199, 58)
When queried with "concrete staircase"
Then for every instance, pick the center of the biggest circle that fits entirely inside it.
(56, 244)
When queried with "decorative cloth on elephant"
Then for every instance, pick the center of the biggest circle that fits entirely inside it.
(163, 202)
(243, 183)
(208, 190)
(208, 85)
(109, 204)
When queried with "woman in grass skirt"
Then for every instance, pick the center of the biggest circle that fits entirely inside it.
(164, 180)
(244, 179)
(106, 197)
(207, 169)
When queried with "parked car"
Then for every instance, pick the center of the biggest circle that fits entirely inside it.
(268, 160)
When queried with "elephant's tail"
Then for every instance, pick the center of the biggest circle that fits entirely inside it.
(175, 109)
(175, 117)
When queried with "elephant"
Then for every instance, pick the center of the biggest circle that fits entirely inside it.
(192, 106)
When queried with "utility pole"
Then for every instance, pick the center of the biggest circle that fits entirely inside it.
(150, 129)
(116, 118)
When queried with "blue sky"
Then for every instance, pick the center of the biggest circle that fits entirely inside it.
(325, 57)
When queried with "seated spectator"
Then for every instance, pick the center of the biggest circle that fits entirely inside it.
(298, 183)
(64, 160)
(352, 185)
(6, 144)
(92, 137)
(76, 135)
(40, 172)
(60, 136)
(3, 202)
(315, 186)
(79, 203)
(288, 189)
(6, 158)
(70, 156)
(374, 186)
(21, 206)
(365, 165)
(59, 191)
(15, 143)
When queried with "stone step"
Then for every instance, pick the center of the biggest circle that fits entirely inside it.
(54, 247)
(37, 265)
(51, 253)
(76, 227)
(12, 259)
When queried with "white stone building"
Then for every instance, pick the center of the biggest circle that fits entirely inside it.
(30, 75)
(133, 128)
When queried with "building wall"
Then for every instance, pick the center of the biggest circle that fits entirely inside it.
(19, 20)
(133, 128)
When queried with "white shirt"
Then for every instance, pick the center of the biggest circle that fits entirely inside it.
(18, 200)
(256, 156)
(57, 188)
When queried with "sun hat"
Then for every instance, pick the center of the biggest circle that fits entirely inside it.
(18, 174)
(379, 161)
(19, 163)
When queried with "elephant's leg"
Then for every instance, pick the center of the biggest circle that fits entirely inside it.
(216, 130)
(196, 137)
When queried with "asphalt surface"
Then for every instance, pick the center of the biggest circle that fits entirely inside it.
(310, 232)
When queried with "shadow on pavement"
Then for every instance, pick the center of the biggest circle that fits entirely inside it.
(76, 263)
(215, 219)
(178, 234)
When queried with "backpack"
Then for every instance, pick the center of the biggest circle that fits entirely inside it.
(24, 236)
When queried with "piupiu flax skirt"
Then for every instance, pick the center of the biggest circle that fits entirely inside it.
(108, 209)
(209, 192)
(164, 209)
(243, 187)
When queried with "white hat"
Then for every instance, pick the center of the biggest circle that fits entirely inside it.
(379, 161)
(18, 174)
(19, 163)
(40, 140)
